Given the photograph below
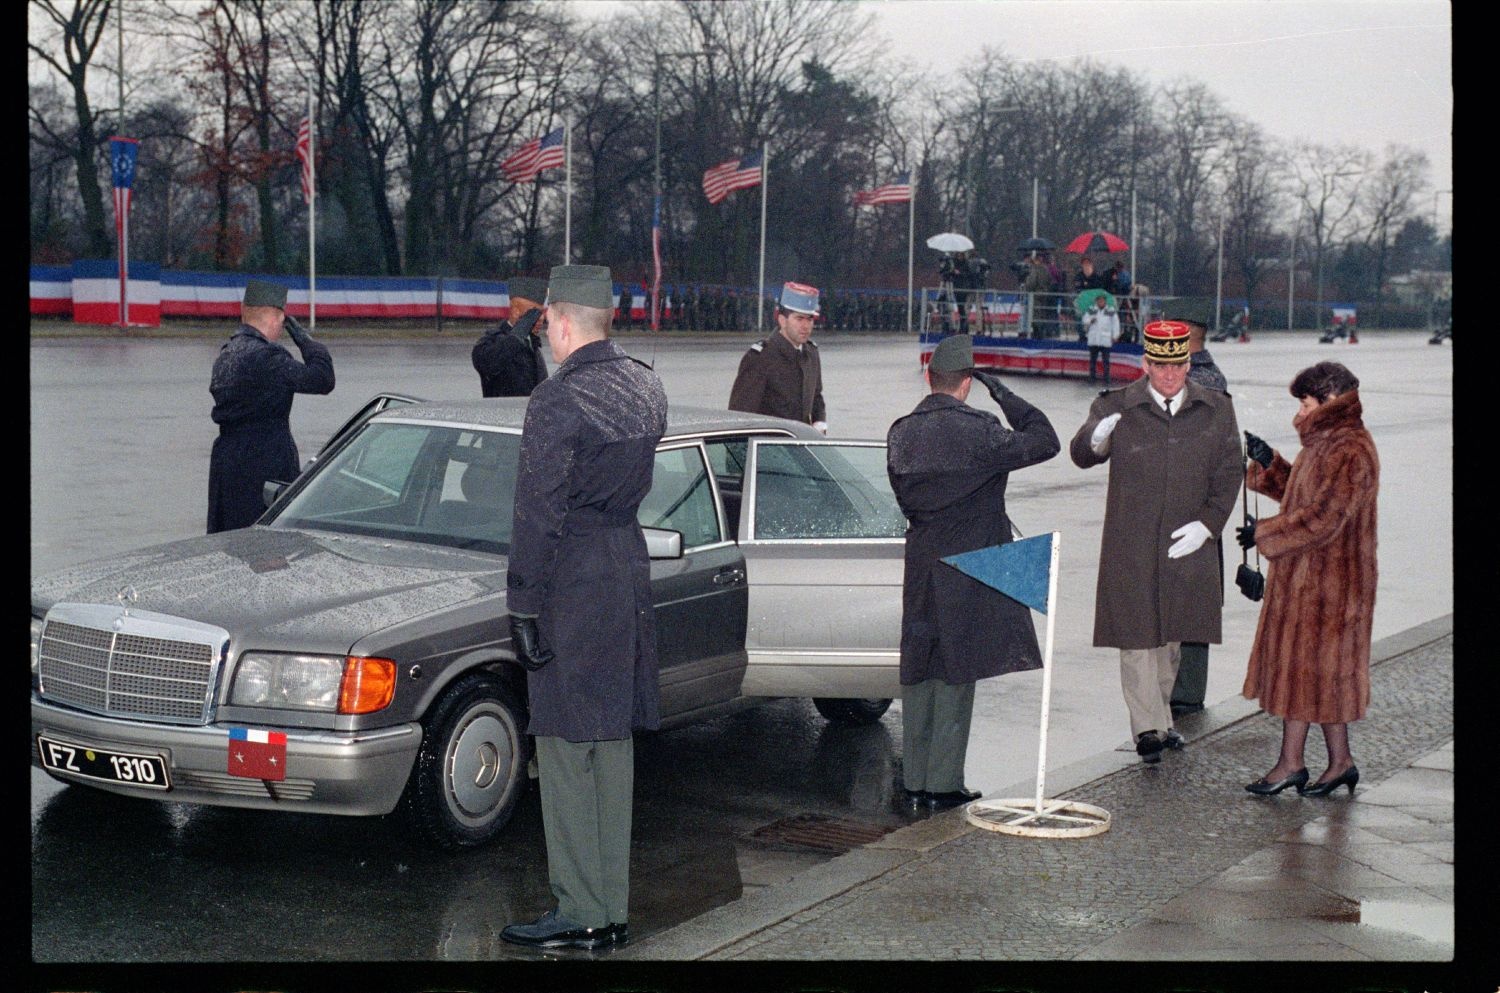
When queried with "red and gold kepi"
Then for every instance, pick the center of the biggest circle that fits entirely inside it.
(1166, 341)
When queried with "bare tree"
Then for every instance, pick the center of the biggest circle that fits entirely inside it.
(81, 25)
(1251, 202)
(1387, 205)
(1192, 127)
(1327, 184)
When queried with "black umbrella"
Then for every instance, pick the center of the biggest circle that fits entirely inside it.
(1035, 245)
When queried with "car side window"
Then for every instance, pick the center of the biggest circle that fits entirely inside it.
(824, 490)
(681, 498)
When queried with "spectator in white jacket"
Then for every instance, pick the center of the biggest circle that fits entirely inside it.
(1101, 328)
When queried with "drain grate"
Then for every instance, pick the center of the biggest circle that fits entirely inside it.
(819, 833)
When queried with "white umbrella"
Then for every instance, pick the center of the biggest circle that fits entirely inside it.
(950, 241)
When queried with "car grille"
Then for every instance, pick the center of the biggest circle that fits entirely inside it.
(129, 664)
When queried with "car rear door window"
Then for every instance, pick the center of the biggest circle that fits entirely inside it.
(811, 489)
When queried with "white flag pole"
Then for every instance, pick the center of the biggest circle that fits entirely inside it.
(312, 213)
(1041, 759)
(568, 195)
(760, 297)
(911, 232)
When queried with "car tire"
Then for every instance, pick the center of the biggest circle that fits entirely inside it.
(471, 769)
(851, 712)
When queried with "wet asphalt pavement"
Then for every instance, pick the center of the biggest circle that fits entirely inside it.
(120, 437)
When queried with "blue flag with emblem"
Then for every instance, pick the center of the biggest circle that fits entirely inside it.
(1019, 569)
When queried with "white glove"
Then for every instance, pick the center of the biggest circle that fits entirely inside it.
(821, 426)
(1099, 441)
(1190, 537)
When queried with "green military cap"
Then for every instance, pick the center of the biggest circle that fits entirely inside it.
(527, 288)
(259, 293)
(954, 353)
(585, 285)
(1196, 310)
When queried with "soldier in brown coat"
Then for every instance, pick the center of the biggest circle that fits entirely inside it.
(1174, 453)
(782, 376)
(1311, 659)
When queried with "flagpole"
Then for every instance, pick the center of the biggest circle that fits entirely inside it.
(760, 297)
(124, 231)
(312, 213)
(568, 196)
(911, 232)
(1041, 758)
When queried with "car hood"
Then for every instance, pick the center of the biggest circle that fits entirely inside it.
(313, 587)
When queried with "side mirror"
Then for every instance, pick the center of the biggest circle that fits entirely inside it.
(271, 489)
(663, 544)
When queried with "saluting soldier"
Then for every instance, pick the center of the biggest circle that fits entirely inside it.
(508, 356)
(782, 376)
(949, 464)
(253, 383)
(579, 593)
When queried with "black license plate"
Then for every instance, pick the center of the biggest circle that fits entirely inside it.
(129, 768)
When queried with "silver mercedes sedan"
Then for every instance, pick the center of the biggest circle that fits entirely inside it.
(350, 652)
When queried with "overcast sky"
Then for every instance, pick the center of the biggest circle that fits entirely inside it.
(1360, 72)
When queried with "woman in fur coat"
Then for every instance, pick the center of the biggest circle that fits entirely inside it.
(1311, 659)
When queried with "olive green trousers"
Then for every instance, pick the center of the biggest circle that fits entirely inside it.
(935, 719)
(587, 791)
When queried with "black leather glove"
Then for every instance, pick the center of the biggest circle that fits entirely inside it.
(526, 642)
(522, 328)
(998, 390)
(298, 332)
(1258, 450)
(1246, 535)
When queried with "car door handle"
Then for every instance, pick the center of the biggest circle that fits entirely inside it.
(729, 577)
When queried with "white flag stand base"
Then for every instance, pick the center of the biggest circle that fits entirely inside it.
(1051, 819)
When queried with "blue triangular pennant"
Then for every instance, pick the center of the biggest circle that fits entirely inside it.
(1019, 569)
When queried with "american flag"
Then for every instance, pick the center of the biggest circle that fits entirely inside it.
(735, 174)
(546, 152)
(897, 192)
(656, 260)
(122, 153)
(304, 157)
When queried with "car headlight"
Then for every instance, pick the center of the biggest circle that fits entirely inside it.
(36, 641)
(332, 683)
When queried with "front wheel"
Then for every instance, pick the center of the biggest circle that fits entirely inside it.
(471, 770)
(852, 712)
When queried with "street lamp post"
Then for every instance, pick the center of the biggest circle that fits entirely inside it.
(656, 185)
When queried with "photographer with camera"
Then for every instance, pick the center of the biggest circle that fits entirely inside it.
(1310, 664)
(1174, 473)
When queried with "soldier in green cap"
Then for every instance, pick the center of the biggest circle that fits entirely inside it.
(508, 357)
(254, 380)
(949, 464)
(579, 597)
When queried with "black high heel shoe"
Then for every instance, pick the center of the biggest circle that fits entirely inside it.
(1262, 788)
(1348, 778)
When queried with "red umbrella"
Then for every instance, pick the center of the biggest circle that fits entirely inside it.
(1097, 241)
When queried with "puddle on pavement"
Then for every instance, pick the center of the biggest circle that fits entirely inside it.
(1424, 921)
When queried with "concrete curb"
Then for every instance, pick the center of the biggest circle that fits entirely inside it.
(723, 926)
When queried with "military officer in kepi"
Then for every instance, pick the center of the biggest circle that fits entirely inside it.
(782, 375)
(579, 598)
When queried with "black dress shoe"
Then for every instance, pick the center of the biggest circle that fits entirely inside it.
(915, 798)
(552, 930)
(1148, 747)
(1173, 740)
(1261, 787)
(1348, 778)
(953, 798)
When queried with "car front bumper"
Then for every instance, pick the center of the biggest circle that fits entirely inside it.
(353, 773)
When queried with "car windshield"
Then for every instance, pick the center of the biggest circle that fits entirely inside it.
(434, 483)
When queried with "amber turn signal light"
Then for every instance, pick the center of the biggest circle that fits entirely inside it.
(369, 684)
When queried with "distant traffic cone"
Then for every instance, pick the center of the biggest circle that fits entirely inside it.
(1353, 337)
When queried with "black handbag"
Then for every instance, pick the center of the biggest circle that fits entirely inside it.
(1250, 581)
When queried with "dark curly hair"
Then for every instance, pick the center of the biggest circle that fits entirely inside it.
(1322, 381)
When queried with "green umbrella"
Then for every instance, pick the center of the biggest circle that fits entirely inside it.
(1085, 300)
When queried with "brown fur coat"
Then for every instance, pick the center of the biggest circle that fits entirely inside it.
(1311, 657)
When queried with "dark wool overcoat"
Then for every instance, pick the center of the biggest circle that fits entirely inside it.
(949, 465)
(578, 558)
(253, 383)
(1164, 472)
(778, 379)
(1311, 656)
(507, 365)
